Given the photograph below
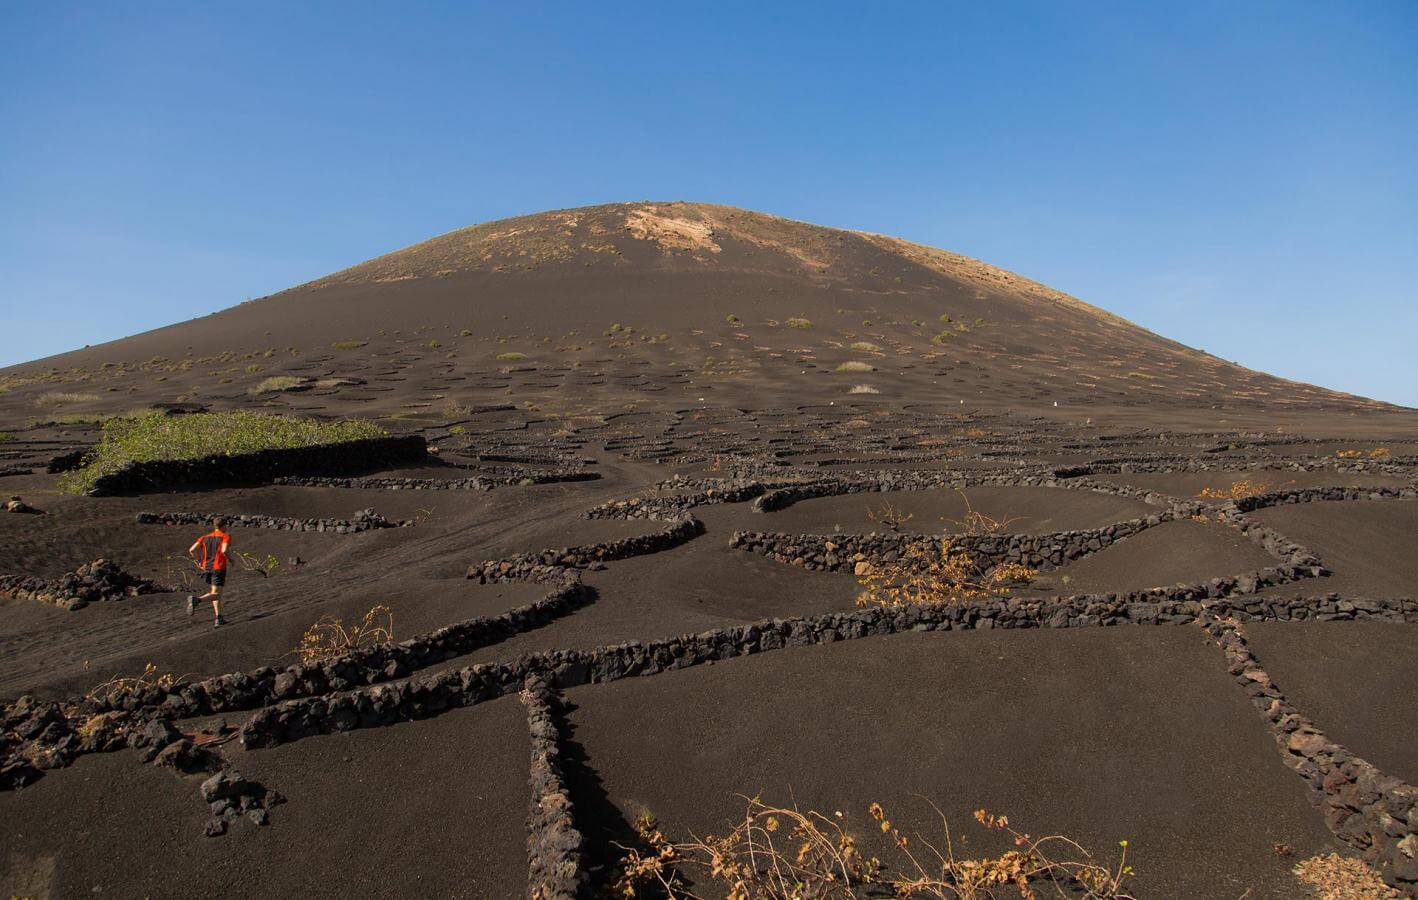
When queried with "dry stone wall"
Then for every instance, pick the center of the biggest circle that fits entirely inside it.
(363, 520)
(92, 582)
(556, 858)
(843, 552)
(1373, 813)
(543, 564)
(425, 696)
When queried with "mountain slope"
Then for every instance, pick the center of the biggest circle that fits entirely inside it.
(657, 303)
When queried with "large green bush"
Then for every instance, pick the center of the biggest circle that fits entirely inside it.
(156, 436)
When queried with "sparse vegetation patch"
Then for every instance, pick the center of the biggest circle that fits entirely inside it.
(53, 399)
(155, 436)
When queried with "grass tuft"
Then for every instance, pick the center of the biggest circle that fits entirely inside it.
(799, 322)
(856, 366)
(512, 356)
(276, 383)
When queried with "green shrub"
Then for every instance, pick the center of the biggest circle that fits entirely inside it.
(153, 435)
(866, 347)
(731, 319)
(799, 322)
(6, 436)
(511, 357)
(944, 318)
(465, 333)
(433, 345)
(942, 337)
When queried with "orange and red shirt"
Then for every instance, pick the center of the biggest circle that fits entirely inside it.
(214, 545)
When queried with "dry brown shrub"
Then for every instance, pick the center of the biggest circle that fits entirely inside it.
(1376, 453)
(977, 523)
(118, 686)
(1055, 860)
(783, 853)
(1214, 519)
(890, 516)
(329, 637)
(925, 574)
(1239, 489)
(774, 852)
(1336, 877)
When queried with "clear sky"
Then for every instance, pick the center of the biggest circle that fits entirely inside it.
(1242, 177)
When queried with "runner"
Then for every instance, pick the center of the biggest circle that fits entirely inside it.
(212, 560)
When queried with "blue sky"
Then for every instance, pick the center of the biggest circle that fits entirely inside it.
(1242, 177)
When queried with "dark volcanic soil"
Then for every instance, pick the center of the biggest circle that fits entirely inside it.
(370, 814)
(640, 342)
(1162, 752)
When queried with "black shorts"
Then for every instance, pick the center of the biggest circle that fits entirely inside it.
(215, 577)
